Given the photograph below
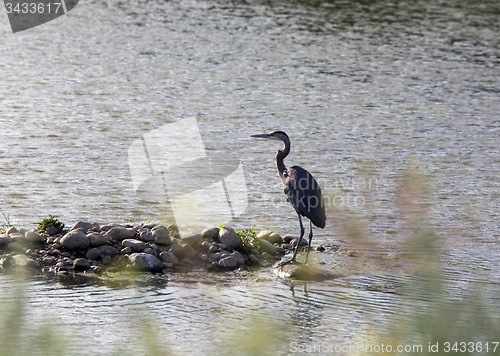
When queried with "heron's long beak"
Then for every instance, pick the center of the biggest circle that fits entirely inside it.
(264, 136)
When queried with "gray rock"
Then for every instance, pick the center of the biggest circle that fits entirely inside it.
(146, 262)
(85, 226)
(75, 240)
(266, 246)
(205, 245)
(210, 233)
(146, 236)
(119, 233)
(177, 250)
(11, 230)
(173, 230)
(149, 251)
(270, 236)
(93, 254)
(126, 251)
(108, 227)
(161, 236)
(51, 230)
(97, 239)
(81, 264)
(228, 237)
(169, 257)
(266, 257)
(288, 238)
(107, 259)
(135, 245)
(24, 261)
(149, 226)
(232, 261)
(188, 251)
(239, 258)
(16, 236)
(229, 262)
(193, 241)
(212, 248)
(32, 236)
(5, 239)
(295, 242)
(107, 250)
(280, 251)
(48, 260)
(253, 259)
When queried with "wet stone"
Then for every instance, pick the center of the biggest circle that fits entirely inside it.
(169, 257)
(210, 233)
(161, 236)
(143, 261)
(126, 250)
(228, 237)
(146, 236)
(97, 239)
(5, 240)
(93, 254)
(51, 230)
(108, 227)
(193, 241)
(24, 261)
(11, 230)
(266, 246)
(48, 260)
(81, 264)
(270, 236)
(84, 226)
(119, 233)
(135, 245)
(177, 250)
(288, 238)
(75, 240)
(107, 250)
(188, 251)
(33, 236)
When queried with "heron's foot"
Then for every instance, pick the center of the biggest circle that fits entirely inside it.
(287, 262)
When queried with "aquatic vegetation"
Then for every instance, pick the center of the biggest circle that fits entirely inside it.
(7, 223)
(249, 240)
(50, 221)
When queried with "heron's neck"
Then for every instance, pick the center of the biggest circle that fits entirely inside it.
(280, 156)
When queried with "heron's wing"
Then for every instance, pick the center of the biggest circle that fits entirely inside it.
(304, 193)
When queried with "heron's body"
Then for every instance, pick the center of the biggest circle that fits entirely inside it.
(301, 190)
(304, 193)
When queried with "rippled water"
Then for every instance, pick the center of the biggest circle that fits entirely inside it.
(365, 89)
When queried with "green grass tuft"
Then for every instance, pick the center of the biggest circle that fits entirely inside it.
(50, 221)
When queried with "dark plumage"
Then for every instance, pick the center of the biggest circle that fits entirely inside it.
(301, 190)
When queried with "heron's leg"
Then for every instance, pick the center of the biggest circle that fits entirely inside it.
(300, 239)
(310, 238)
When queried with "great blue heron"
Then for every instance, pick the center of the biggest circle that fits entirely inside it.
(301, 190)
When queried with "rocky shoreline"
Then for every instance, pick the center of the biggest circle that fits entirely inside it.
(93, 248)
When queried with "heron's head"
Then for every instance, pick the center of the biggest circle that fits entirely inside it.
(275, 135)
